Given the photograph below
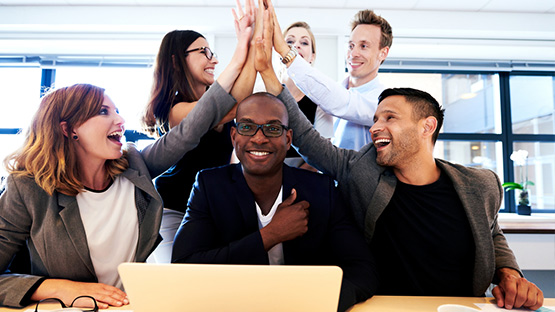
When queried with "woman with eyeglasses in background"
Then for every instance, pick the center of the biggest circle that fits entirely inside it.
(300, 36)
(184, 70)
(79, 202)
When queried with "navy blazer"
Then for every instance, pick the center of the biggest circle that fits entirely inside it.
(221, 227)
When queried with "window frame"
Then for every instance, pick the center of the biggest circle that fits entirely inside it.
(506, 137)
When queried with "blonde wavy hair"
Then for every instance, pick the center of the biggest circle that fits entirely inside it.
(47, 154)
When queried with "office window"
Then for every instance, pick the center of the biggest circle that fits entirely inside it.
(541, 171)
(488, 114)
(19, 99)
(477, 154)
(474, 133)
(471, 101)
(19, 95)
(532, 104)
(128, 87)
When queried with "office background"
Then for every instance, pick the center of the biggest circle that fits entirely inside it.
(491, 63)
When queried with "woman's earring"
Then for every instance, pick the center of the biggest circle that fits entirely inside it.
(75, 137)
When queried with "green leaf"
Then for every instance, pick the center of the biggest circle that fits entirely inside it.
(508, 186)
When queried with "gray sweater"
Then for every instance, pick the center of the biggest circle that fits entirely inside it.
(51, 227)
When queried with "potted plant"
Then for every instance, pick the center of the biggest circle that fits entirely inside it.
(520, 158)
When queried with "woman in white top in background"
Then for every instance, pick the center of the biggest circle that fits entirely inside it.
(300, 36)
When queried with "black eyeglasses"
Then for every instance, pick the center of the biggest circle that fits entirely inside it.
(83, 300)
(269, 130)
(205, 50)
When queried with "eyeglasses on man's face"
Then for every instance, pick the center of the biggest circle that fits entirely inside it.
(85, 301)
(204, 50)
(269, 130)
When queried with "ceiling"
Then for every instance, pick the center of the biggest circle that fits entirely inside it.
(516, 6)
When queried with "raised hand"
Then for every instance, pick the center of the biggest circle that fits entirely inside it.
(289, 222)
(244, 20)
(263, 45)
(280, 45)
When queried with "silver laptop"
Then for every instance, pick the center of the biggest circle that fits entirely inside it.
(246, 288)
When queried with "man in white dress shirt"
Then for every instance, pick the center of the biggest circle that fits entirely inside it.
(353, 101)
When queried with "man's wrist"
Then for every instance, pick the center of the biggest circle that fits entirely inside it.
(505, 272)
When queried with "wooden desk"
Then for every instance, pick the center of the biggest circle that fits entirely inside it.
(421, 304)
(374, 304)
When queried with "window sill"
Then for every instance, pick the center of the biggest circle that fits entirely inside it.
(543, 223)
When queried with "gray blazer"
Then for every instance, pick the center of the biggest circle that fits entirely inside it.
(369, 188)
(51, 226)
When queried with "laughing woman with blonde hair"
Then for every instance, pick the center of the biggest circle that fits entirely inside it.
(79, 202)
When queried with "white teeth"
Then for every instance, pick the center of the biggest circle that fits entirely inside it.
(256, 153)
(382, 141)
(116, 133)
(210, 71)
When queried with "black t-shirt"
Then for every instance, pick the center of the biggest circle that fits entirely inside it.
(423, 243)
(175, 185)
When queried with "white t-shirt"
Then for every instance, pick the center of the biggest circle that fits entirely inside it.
(111, 226)
(275, 254)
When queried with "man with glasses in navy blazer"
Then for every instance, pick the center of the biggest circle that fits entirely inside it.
(263, 212)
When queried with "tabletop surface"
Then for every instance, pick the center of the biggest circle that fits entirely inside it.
(376, 303)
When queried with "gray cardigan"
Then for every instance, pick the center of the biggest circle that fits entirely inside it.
(51, 226)
(369, 187)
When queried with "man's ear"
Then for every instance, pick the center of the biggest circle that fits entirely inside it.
(289, 136)
(430, 126)
(232, 134)
(383, 53)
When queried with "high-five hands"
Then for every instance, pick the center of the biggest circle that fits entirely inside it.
(244, 19)
(289, 222)
(280, 45)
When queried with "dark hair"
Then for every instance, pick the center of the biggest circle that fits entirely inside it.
(172, 80)
(368, 17)
(424, 105)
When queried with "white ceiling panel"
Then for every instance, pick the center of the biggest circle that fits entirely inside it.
(100, 2)
(33, 2)
(309, 4)
(466, 5)
(517, 6)
(375, 4)
(538, 6)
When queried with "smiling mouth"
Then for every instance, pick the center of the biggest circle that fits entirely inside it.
(209, 71)
(115, 136)
(259, 153)
(382, 142)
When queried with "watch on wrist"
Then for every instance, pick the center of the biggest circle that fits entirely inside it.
(290, 55)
